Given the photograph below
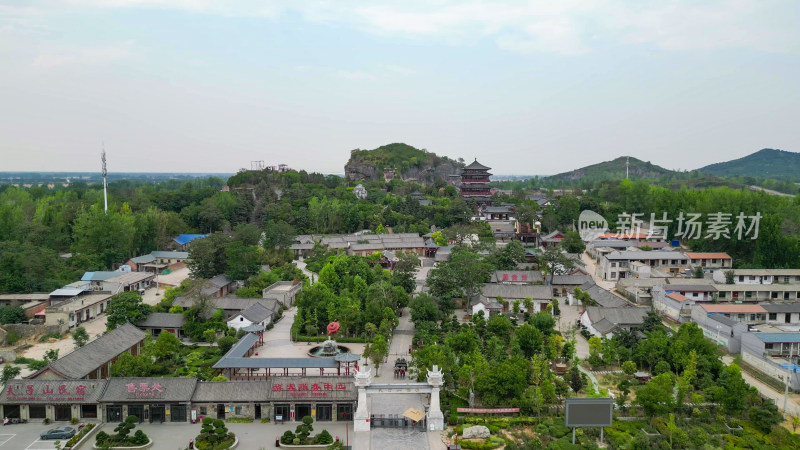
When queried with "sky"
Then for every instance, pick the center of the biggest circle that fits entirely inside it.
(526, 87)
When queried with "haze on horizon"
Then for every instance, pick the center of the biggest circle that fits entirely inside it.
(527, 87)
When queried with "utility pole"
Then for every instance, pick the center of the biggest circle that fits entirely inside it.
(788, 374)
(105, 173)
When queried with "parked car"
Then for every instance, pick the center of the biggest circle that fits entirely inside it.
(58, 433)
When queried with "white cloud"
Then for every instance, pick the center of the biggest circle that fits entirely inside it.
(69, 55)
(558, 26)
(355, 75)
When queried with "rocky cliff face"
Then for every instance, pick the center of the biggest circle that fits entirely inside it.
(424, 174)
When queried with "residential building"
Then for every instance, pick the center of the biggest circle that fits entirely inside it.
(760, 276)
(563, 284)
(256, 314)
(603, 297)
(157, 322)
(616, 264)
(738, 312)
(782, 313)
(157, 261)
(492, 293)
(76, 310)
(710, 260)
(218, 286)
(773, 353)
(284, 291)
(183, 240)
(552, 239)
(93, 360)
(757, 292)
(603, 322)
(230, 305)
(118, 281)
(722, 330)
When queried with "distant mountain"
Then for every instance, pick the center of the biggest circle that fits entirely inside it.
(765, 163)
(614, 170)
(399, 160)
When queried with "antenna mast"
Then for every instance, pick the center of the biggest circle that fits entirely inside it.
(105, 173)
(627, 164)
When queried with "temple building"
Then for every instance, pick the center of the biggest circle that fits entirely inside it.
(475, 183)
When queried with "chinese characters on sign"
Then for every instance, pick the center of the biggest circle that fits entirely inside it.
(46, 392)
(691, 226)
(302, 389)
(144, 389)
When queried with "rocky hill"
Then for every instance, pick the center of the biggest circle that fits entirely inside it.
(399, 160)
(614, 169)
(765, 163)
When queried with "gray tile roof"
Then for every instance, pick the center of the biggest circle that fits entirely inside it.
(230, 303)
(517, 291)
(722, 319)
(630, 316)
(173, 390)
(531, 276)
(241, 346)
(571, 280)
(233, 391)
(277, 363)
(781, 307)
(163, 320)
(92, 390)
(144, 259)
(256, 313)
(83, 360)
(602, 296)
(690, 288)
(220, 281)
(170, 255)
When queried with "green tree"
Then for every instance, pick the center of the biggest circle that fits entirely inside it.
(424, 308)
(378, 350)
(165, 347)
(572, 242)
(9, 373)
(575, 379)
(765, 417)
(530, 339)
(507, 258)
(278, 234)
(225, 343)
(80, 336)
(208, 257)
(12, 314)
(655, 397)
(729, 276)
(210, 335)
(554, 261)
(51, 355)
(242, 260)
(126, 307)
(438, 238)
(734, 389)
(463, 276)
(111, 237)
(629, 367)
(128, 365)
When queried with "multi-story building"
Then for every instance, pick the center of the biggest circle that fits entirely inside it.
(475, 183)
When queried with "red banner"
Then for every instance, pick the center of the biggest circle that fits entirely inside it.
(488, 410)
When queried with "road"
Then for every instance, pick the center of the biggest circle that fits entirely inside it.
(312, 277)
(792, 406)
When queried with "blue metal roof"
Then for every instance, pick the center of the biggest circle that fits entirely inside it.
(186, 238)
(774, 338)
(99, 275)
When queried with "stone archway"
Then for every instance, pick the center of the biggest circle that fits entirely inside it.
(363, 382)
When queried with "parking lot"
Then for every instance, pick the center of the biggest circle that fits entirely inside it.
(26, 437)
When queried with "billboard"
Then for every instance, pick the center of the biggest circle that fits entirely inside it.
(589, 412)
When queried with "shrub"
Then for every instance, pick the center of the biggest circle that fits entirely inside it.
(239, 420)
(265, 420)
(101, 437)
(73, 421)
(323, 438)
(139, 438)
(287, 438)
(13, 337)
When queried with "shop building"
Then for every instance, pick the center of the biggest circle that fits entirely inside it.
(57, 400)
(154, 400)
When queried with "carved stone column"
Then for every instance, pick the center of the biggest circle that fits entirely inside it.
(435, 416)
(361, 420)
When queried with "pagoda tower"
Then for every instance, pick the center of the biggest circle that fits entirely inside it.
(475, 183)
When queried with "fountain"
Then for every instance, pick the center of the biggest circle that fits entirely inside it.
(329, 348)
